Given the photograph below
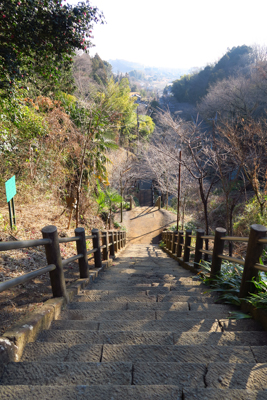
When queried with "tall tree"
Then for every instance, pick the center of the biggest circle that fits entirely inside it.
(38, 37)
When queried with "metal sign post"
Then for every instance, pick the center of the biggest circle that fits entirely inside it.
(10, 193)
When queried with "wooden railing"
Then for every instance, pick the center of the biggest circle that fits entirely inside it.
(179, 245)
(112, 242)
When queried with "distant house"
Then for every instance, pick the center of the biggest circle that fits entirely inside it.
(137, 95)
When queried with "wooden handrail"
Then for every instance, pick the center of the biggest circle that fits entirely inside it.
(55, 265)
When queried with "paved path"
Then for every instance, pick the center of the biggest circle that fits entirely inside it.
(145, 224)
(143, 330)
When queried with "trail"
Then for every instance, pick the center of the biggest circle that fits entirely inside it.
(145, 224)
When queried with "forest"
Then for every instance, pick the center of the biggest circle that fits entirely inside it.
(70, 129)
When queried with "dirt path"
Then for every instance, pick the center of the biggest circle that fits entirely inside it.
(144, 224)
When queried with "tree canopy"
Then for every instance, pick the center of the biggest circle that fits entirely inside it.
(38, 37)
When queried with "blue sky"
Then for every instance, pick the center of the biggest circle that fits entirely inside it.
(175, 33)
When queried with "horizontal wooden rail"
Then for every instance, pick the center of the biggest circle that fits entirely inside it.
(262, 241)
(255, 244)
(232, 259)
(261, 267)
(191, 247)
(209, 252)
(91, 251)
(51, 241)
(71, 259)
(236, 239)
(25, 278)
(90, 237)
(68, 239)
(23, 244)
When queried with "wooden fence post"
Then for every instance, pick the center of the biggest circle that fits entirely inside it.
(112, 247)
(116, 242)
(254, 251)
(104, 235)
(173, 245)
(81, 249)
(217, 250)
(119, 240)
(187, 243)
(124, 233)
(53, 256)
(199, 247)
(96, 245)
(180, 243)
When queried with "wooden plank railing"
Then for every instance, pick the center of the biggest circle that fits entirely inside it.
(111, 243)
(179, 244)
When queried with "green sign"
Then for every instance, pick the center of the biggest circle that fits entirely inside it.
(10, 188)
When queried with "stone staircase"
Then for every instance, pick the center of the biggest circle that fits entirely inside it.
(143, 330)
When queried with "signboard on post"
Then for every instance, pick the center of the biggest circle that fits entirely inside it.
(10, 193)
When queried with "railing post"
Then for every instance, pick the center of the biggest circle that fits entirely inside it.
(180, 243)
(199, 247)
(105, 243)
(53, 256)
(173, 242)
(116, 242)
(111, 240)
(124, 238)
(217, 250)
(119, 240)
(96, 245)
(254, 251)
(168, 240)
(187, 243)
(81, 249)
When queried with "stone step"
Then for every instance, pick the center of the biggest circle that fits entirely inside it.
(117, 373)
(46, 352)
(132, 337)
(133, 306)
(185, 354)
(218, 375)
(92, 392)
(161, 298)
(61, 373)
(73, 337)
(208, 325)
(141, 315)
(186, 325)
(61, 352)
(117, 297)
(223, 394)
(221, 339)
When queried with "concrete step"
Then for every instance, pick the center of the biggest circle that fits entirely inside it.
(92, 392)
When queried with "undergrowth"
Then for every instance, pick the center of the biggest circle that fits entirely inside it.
(228, 282)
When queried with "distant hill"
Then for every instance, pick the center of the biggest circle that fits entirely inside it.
(123, 66)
